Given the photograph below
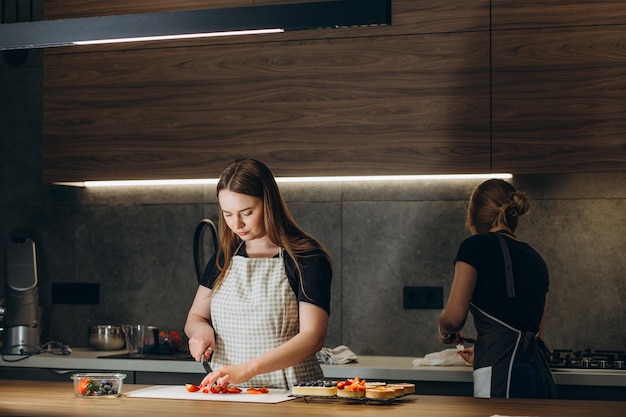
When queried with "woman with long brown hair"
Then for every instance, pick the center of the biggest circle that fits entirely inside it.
(261, 310)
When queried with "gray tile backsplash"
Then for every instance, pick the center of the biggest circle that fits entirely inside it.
(141, 255)
(137, 244)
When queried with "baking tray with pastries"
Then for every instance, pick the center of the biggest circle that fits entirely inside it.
(355, 389)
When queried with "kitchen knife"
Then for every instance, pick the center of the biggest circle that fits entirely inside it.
(207, 363)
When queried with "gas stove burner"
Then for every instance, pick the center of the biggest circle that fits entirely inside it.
(588, 359)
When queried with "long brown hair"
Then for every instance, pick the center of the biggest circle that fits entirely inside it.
(253, 178)
(494, 203)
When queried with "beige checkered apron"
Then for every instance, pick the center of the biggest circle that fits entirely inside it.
(254, 310)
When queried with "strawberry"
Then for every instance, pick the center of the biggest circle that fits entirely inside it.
(255, 390)
(192, 387)
(87, 387)
(231, 390)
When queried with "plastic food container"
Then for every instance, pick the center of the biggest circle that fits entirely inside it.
(98, 385)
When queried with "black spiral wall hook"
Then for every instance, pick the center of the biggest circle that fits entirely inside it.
(198, 246)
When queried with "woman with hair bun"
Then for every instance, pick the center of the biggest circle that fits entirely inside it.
(504, 283)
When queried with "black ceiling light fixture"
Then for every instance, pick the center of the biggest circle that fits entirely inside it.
(194, 23)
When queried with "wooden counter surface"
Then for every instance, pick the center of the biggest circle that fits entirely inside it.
(49, 399)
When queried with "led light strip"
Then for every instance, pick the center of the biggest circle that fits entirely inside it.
(182, 36)
(210, 181)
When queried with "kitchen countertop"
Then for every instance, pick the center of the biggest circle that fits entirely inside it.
(384, 368)
(49, 399)
(401, 368)
(87, 359)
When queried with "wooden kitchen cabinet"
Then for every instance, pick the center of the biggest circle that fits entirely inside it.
(527, 14)
(558, 100)
(444, 89)
(411, 98)
(385, 105)
(558, 86)
(65, 9)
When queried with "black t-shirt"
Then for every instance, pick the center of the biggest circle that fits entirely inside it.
(530, 274)
(316, 277)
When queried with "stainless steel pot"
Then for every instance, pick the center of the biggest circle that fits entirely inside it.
(106, 337)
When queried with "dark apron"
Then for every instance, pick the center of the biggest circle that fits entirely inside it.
(499, 345)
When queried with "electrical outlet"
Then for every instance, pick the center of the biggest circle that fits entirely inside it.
(426, 298)
(75, 293)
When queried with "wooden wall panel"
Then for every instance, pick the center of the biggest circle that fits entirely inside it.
(385, 105)
(403, 99)
(520, 14)
(66, 9)
(409, 16)
(559, 99)
(413, 97)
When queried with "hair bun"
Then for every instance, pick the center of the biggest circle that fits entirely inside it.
(518, 205)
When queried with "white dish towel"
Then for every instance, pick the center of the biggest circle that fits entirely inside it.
(447, 357)
(336, 356)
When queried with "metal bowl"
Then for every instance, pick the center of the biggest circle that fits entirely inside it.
(106, 337)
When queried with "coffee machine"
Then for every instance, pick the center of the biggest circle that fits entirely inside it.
(21, 330)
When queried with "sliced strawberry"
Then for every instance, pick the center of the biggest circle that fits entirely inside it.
(192, 387)
(231, 390)
(255, 390)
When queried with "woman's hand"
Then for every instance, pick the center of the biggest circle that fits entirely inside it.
(467, 354)
(198, 328)
(228, 374)
(450, 338)
(202, 343)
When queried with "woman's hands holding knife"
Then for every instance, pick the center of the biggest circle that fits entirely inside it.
(202, 344)
(201, 347)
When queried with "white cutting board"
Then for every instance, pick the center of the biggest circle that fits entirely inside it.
(179, 392)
